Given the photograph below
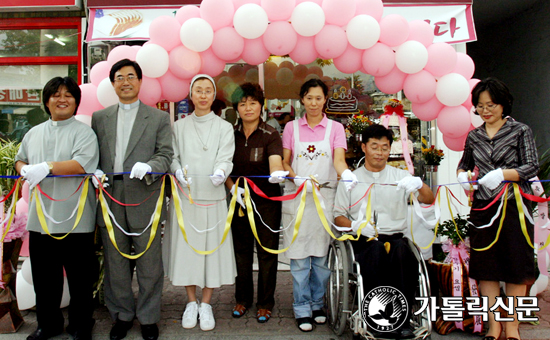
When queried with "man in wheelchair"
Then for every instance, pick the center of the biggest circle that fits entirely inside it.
(382, 251)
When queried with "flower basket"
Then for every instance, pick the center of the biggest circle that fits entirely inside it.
(432, 156)
(358, 123)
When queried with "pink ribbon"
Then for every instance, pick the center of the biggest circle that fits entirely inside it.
(541, 229)
(458, 255)
(404, 137)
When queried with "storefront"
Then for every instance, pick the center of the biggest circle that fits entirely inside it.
(37, 42)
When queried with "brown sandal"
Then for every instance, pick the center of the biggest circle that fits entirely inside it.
(239, 310)
(263, 315)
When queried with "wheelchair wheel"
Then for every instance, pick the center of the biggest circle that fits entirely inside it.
(338, 287)
(421, 322)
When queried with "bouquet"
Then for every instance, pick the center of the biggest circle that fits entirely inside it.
(358, 123)
(432, 156)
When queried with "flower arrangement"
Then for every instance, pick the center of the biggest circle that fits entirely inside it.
(8, 151)
(454, 234)
(358, 123)
(17, 228)
(432, 156)
(394, 106)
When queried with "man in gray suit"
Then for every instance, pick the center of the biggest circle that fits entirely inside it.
(136, 139)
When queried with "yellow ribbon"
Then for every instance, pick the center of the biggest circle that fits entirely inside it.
(154, 226)
(81, 205)
(501, 222)
(179, 216)
(188, 185)
(12, 212)
(521, 214)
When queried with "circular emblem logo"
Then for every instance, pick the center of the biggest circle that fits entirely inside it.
(384, 309)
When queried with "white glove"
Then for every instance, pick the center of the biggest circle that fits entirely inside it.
(368, 230)
(181, 177)
(240, 193)
(463, 179)
(36, 173)
(139, 170)
(97, 177)
(349, 179)
(492, 179)
(278, 176)
(299, 180)
(218, 177)
(24, 169)
(409, 184)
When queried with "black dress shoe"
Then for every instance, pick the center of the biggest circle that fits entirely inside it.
(406, 333)
(43, 334)
(82, 333)
(120, 329)
(150, 332)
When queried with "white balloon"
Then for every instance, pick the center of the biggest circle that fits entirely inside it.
(411, 57)
(66, 297)
(84, 119)
(250, 21)
(476, 119)
(541, 283)
(196, 34)
(26, 298)
(308, 18)
(106, 93)
(153, 60)
(26, 270)
(452, 89)
(363, 31)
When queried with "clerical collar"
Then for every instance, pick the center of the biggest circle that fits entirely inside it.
(128, 106)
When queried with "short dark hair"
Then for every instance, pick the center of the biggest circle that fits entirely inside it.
(313, 82)
(123, 63)
(283, 116)
(498, 91)
(376, 131)
(248, 90)
(52, 87)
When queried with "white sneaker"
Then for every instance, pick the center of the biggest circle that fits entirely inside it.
(190, 316)
(206, 317)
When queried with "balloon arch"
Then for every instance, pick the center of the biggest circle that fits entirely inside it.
(400, 55)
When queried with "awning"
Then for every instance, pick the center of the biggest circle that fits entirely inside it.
(452, 20)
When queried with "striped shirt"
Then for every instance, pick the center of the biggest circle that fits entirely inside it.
(512, 147)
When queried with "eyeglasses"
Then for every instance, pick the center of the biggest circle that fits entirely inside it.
(122, 79)
(382, 149)
(207, 93)
(489, 107)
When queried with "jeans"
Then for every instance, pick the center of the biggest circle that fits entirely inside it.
(310, 277)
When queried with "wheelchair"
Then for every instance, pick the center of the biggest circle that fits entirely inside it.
(345, 294)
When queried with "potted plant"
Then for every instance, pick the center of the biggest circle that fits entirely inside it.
(432, 157)
(357, 124)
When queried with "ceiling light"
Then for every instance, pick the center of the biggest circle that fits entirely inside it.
(59, 42)
(49, 36)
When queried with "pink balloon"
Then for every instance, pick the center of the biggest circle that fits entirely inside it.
(455, 144)
(218, 13)
(278, 9)
(280, 38)
(136, 47)
(427, 111)
(173, 88)
(374, 8)
(464, 65)
(419, 87)
(184, 63)
(227, 44)
(254, 52)
(338, 12)
(99, 72)
(211, 64)
(25, 191)
(394, 30)
(21, 207)
(391, 82)
(350, 61)
(468, 102)
(239, 3)
(25, 247)
(421, 31)
(454, 121)
(121, 52)
(150, 92)
(331, 42)
(378, 60)
(187, 12)
(304, 52)
(318, 2)
(165, 32)
(88, 102)
(441, 59)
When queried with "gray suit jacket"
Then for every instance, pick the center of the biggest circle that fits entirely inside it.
(150, 142)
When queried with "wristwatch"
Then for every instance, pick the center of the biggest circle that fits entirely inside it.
(50, 166)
